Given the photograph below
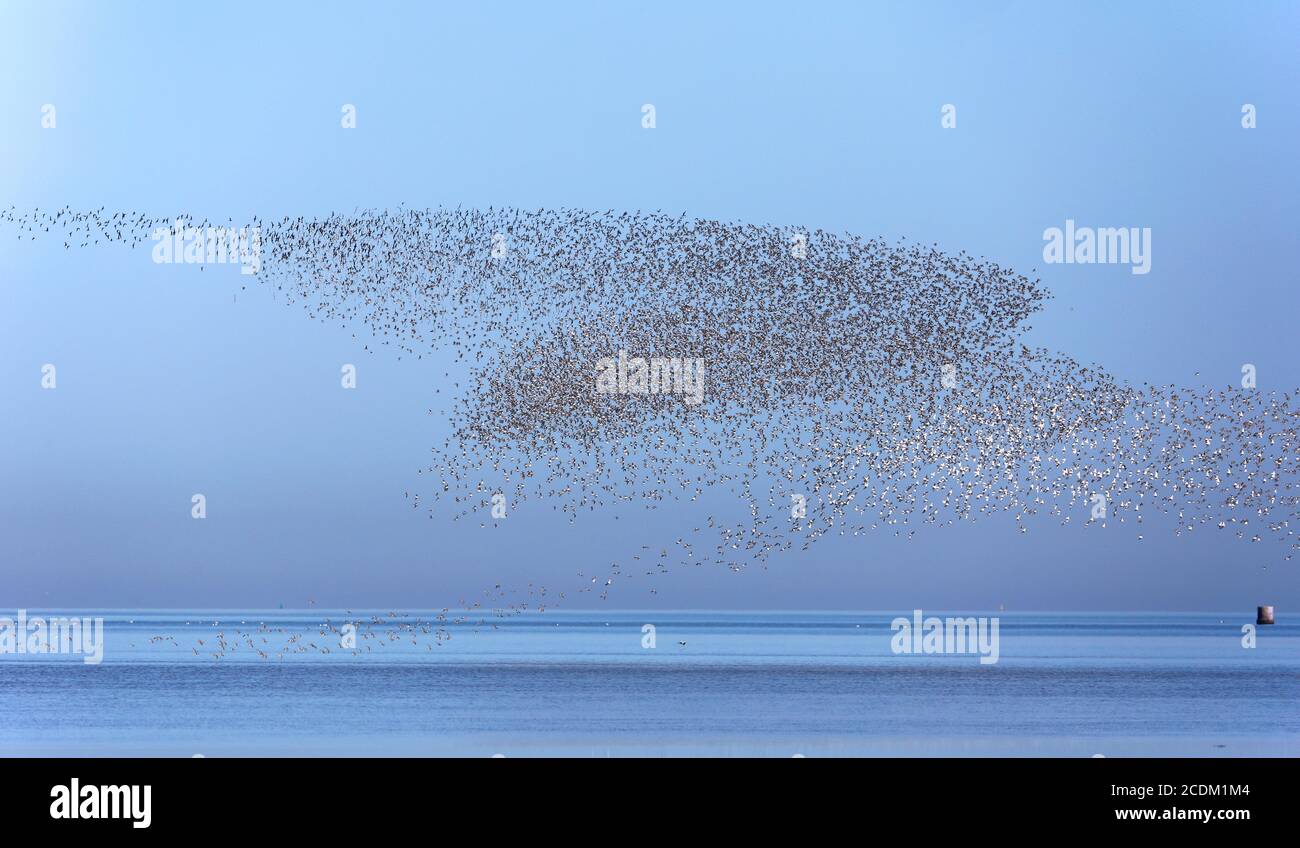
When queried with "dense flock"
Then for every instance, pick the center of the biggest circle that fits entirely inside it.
(849, 386)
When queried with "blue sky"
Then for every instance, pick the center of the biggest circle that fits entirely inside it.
(821, 114)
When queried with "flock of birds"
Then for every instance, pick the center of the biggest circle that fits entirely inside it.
(851, 385)
(281, 638)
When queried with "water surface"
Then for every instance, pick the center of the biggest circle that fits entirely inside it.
(582, 684)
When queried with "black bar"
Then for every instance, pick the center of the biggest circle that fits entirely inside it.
(297, 797)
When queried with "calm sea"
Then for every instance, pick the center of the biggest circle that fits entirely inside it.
(262, 682)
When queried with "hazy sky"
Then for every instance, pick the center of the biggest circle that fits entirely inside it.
(826, 115)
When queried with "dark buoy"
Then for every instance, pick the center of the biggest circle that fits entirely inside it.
(1264, 615)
